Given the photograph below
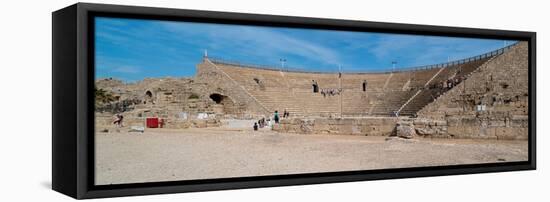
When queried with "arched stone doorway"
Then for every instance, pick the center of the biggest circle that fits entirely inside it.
(148, 98)
(217, 98)
(224, 104)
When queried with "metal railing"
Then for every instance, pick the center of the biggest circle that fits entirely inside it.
(417, 68)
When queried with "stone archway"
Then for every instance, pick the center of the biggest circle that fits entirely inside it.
(148, 97)
(225, 105)
(217, 98)
(148, 94)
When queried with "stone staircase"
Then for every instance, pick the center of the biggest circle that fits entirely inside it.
(428, 95)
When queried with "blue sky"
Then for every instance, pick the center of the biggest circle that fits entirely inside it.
(131, 49)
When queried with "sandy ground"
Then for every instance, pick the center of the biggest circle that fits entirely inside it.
(169, 155)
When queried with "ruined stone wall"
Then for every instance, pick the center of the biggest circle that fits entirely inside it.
(104, 122)
(245, 105)
(346, 126)
(491, 103)
(163, 97)
(178, 101)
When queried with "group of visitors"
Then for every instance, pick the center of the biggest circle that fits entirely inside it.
(330, 92)
(263, 122)
(448, 84)
(452, 82)
(286, 114)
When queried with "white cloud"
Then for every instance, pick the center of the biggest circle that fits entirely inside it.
(391, 44)
(126, 69)
(257, 41)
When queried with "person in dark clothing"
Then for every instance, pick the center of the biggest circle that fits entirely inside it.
(276, 116)
(255, 126)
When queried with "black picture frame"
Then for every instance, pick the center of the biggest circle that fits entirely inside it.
(73, 117)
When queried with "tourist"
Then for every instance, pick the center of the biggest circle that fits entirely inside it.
(259, 123)
(285, 114)
(276, 116)
(255, 126)
(118, 120)
(262, 122)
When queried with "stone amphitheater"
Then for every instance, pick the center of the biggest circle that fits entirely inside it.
(485, 96)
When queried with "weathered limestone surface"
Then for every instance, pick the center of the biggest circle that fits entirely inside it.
(209, 74)
(405, 129)
(500, 86)
(346, 126)
(178, 101)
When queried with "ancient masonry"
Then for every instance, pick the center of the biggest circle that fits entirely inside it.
(480, 97)
(499, 91)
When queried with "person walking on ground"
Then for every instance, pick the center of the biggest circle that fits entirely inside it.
(276, 116)
(118, 120)
(255, 126)
(259, 123)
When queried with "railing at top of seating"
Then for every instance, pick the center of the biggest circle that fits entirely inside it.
(302, 70)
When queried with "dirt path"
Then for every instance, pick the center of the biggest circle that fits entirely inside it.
(168, 155)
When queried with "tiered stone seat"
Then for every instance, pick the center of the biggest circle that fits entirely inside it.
(467, 68)
(398, 80)
(390, 102)
(385, 92)
(357, 103)
(375, 82)
(427, 95)
(422, 99)
(420, 77)
(272, 91)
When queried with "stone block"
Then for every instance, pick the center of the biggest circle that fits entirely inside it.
(199, 123)
(405, 131)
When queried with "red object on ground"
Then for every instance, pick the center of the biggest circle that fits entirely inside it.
(152, 122)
